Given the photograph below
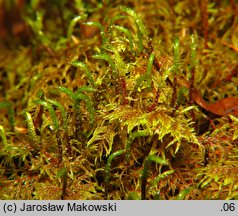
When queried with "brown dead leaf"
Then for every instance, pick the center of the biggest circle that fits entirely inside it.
(222, 107)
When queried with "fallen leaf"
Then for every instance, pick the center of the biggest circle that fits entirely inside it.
(222, 107)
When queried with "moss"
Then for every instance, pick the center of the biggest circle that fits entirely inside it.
(83, 83)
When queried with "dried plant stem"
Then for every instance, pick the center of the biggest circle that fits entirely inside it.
(123, 91)
(193, 58)
(152, 107)
(59, 146)
(204, 14)
(78, 121)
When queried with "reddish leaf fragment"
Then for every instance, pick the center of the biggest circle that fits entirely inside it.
(222, 107)
(196, 96)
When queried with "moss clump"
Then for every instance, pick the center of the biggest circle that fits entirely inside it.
(118, 100)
